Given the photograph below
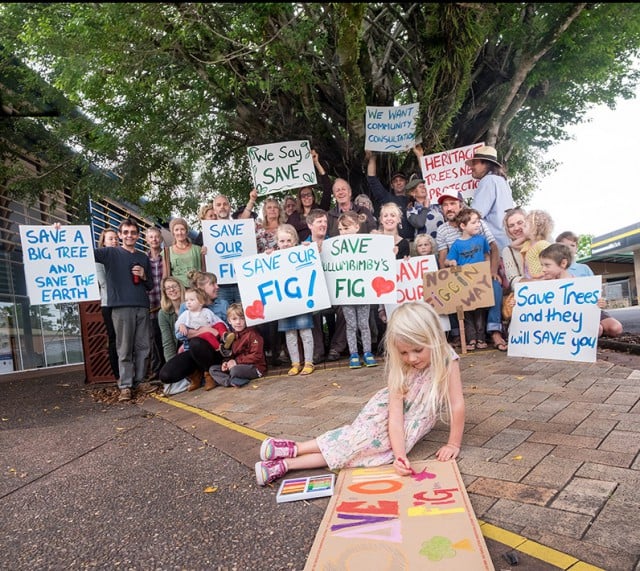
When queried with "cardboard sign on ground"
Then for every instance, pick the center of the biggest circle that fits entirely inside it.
(379, 520)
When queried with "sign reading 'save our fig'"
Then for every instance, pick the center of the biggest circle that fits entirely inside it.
(226, 241)
(281, 166)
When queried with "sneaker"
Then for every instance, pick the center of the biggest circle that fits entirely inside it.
(369, 360)
(267, 472)
(125, 395)
(354, 361)
(228, 338)
(226, 353)
(272, 449)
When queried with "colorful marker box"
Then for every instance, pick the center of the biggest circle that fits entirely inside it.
(294, 489)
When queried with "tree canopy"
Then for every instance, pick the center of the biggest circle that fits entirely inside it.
(171, 95)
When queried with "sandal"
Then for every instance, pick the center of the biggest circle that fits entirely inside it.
(308, 369)
(294, 370)
(471, 346)
(499, 345)
(481, 345)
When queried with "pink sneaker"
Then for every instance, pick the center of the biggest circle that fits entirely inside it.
(267, 472)
(272, 449)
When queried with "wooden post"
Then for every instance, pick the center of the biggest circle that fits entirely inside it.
(463, 337)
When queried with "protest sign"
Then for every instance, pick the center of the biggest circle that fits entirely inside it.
(377, 519)
(226, 241)
(467, 287)
(556, 319)
(282, 284)
(59, 266)
(447, 170)
(391, 129)
(281, 166)
(409, 283)
(360, 269)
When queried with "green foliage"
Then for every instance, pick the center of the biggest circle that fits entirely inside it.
(584, 246)
(175, 93)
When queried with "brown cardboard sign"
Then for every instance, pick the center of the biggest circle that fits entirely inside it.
(379, 520)
(466, 286)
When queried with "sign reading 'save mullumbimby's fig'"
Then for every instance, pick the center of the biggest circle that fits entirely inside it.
(281, 166)
(467, 287)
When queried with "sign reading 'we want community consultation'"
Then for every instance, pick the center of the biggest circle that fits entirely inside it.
(391, 129)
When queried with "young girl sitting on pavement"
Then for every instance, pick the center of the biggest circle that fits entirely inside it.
(423, 379)
(248, 361)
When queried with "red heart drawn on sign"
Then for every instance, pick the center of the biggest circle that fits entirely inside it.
(382, 286)
(255, 310)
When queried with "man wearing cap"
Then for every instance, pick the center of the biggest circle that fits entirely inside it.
(396, 195)
(493, 196)
(423, 216)
(451, 203)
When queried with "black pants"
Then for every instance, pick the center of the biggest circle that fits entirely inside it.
(199, 357)
(111, 340)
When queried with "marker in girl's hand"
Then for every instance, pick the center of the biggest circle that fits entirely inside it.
(404, 463)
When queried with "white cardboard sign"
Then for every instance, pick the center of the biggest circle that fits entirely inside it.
(226, 241)
(391, 129)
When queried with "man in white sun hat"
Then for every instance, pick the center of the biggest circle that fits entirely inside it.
(493, 196)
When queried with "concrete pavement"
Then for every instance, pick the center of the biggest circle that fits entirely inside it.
(550, 455)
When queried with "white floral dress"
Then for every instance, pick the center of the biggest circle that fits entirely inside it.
(365, 442)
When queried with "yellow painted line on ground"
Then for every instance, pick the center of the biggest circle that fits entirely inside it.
(213, 417)
(535, 549)
(513, 540)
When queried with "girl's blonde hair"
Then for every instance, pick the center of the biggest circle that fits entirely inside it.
(288, 229)
(103, 236)
(418, 325)
(165, 303)
(392, 207)
(200, 294)
(423, 238)
(541, 224)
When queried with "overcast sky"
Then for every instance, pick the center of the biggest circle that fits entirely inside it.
(595, 189)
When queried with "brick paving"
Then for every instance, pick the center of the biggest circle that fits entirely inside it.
(550, 452)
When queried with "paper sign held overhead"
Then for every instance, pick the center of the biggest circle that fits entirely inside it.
(281, 166)
(447, 170)
(59, 265)
(390, 129)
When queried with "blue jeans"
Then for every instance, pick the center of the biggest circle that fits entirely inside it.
(494, 316)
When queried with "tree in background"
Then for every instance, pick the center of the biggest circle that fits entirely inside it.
(584, 246)
(177, 92)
